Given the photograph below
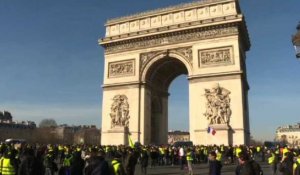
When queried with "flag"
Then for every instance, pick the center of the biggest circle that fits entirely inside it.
(211, 130)
(208, 130)
(130, 142)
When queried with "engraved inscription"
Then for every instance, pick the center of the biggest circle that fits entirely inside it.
(122, 68)
(219, 56)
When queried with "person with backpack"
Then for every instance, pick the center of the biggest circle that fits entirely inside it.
(247, 166)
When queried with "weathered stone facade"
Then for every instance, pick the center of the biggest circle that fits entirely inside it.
(176, 136)
(205, 40)
(289, 134)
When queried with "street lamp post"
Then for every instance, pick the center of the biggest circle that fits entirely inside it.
(296, 41)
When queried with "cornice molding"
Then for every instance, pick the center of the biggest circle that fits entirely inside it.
(172, 38)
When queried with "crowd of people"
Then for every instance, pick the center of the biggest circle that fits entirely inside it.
(26, 159)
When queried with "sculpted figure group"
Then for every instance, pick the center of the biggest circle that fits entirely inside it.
(218, 105)
(120, 111)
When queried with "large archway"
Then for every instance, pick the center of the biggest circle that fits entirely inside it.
(205, 40)
(158, 79)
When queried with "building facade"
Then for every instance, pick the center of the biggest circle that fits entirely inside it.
(176, 136)
(62, 134)
(289, 135)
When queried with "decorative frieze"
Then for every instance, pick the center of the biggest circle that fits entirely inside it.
(191, 12)
(167, 39)
(121, 68)
(215, 57)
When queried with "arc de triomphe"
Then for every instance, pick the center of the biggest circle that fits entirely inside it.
(144, 53)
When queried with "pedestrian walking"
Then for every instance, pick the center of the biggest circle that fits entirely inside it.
(189, 159)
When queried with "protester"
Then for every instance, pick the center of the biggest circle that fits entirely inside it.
(286, 164)
(130, 162)
(214, 164)
(77, 164)
(96, 164)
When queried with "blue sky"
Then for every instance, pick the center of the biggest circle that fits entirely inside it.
(52, 67)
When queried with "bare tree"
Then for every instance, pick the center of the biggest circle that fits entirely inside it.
(46, 123)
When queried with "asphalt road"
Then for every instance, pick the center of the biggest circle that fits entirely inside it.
(199, 169)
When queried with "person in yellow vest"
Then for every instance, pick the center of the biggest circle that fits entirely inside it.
(272, 161)
(286, 165)
(257, 153)
(219, 155)
(116, 163)
(49, 163)
(238, 150)
(205, 154)
(161, 155)
(214, 165)
(67, 163)
(285, 150)
(144, 160)
(189, 159)
(296, 166)
(8, 164)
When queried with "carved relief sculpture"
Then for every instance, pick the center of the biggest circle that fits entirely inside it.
(186, 52)
(120, 111)
(220, 56)
(121, 68)
(218, 105)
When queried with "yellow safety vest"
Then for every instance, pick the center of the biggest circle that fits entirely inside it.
(189, 156)
(297, 163)
(60, 148)
(237, 151)
(258, 149)
(219, 156)
(205, 151)
(116, 166)
(67, 162)
(161, 151)
(6, 168)
(271, 159)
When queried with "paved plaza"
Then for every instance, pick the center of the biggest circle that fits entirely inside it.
(199, 169)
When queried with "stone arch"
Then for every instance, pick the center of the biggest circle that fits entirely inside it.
(187, 62)
(144, 53)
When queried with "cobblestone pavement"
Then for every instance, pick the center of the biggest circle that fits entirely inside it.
(199, 169)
